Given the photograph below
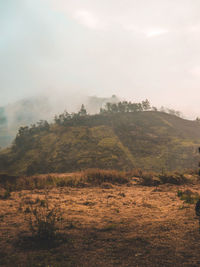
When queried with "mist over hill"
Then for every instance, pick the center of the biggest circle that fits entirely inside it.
(122, 136)
(30, 110)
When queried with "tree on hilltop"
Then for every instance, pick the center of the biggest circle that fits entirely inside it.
(146, 105)
(82, 111)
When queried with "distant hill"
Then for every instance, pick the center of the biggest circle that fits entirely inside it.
(29, 111)
(149, 140)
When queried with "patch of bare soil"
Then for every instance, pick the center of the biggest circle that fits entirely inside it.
(106, 226)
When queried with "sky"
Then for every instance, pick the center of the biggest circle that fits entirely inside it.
(134, 49)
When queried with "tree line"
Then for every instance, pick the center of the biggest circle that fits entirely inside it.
(25, 134)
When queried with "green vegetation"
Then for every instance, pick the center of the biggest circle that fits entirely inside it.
(122, 136)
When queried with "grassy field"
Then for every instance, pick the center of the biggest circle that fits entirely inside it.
(109, 223)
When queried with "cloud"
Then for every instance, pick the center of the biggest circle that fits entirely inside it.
(86, 18)
(195, 71)
(135, 49)
(155, 32)
(140, 14)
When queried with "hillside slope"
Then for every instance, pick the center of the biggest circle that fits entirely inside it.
(149, 140)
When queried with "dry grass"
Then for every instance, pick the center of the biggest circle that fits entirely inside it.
(154, 179)
(126, 225)
(98, 176)
(44, 218)
(92, 177)
(89, 177)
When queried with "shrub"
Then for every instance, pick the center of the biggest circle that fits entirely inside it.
(44, 219)
(153, 179)
(188, 196)
(173, 178)
(97, 176)
(149, 179)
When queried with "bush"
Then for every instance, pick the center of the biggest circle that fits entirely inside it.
(97, 176)
(43, 219)
(188, 196)
(173, 178)
(153, 179)
(150, 179)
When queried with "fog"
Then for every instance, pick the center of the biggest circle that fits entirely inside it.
(68, 50)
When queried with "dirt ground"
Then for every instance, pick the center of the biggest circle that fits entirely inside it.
(106, 226)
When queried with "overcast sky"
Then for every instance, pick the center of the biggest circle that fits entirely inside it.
(136, 49)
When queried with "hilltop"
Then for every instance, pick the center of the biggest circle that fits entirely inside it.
(122, 140)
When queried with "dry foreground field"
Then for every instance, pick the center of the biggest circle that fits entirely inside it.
(107, 225)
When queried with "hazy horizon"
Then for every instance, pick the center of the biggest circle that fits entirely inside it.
(135, 50)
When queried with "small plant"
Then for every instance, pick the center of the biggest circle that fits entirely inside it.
(43, 219)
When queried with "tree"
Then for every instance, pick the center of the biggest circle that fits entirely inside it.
(114, 108)
(42, 125)
(83, 111)
(108, 107)
(146, 105)
(121, 107)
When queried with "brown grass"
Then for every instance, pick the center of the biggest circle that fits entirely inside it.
(90, 177)
(126, 225)
(98, 176)
(154, 179)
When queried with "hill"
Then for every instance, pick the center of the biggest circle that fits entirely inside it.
(30, 110)
(150, 140)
